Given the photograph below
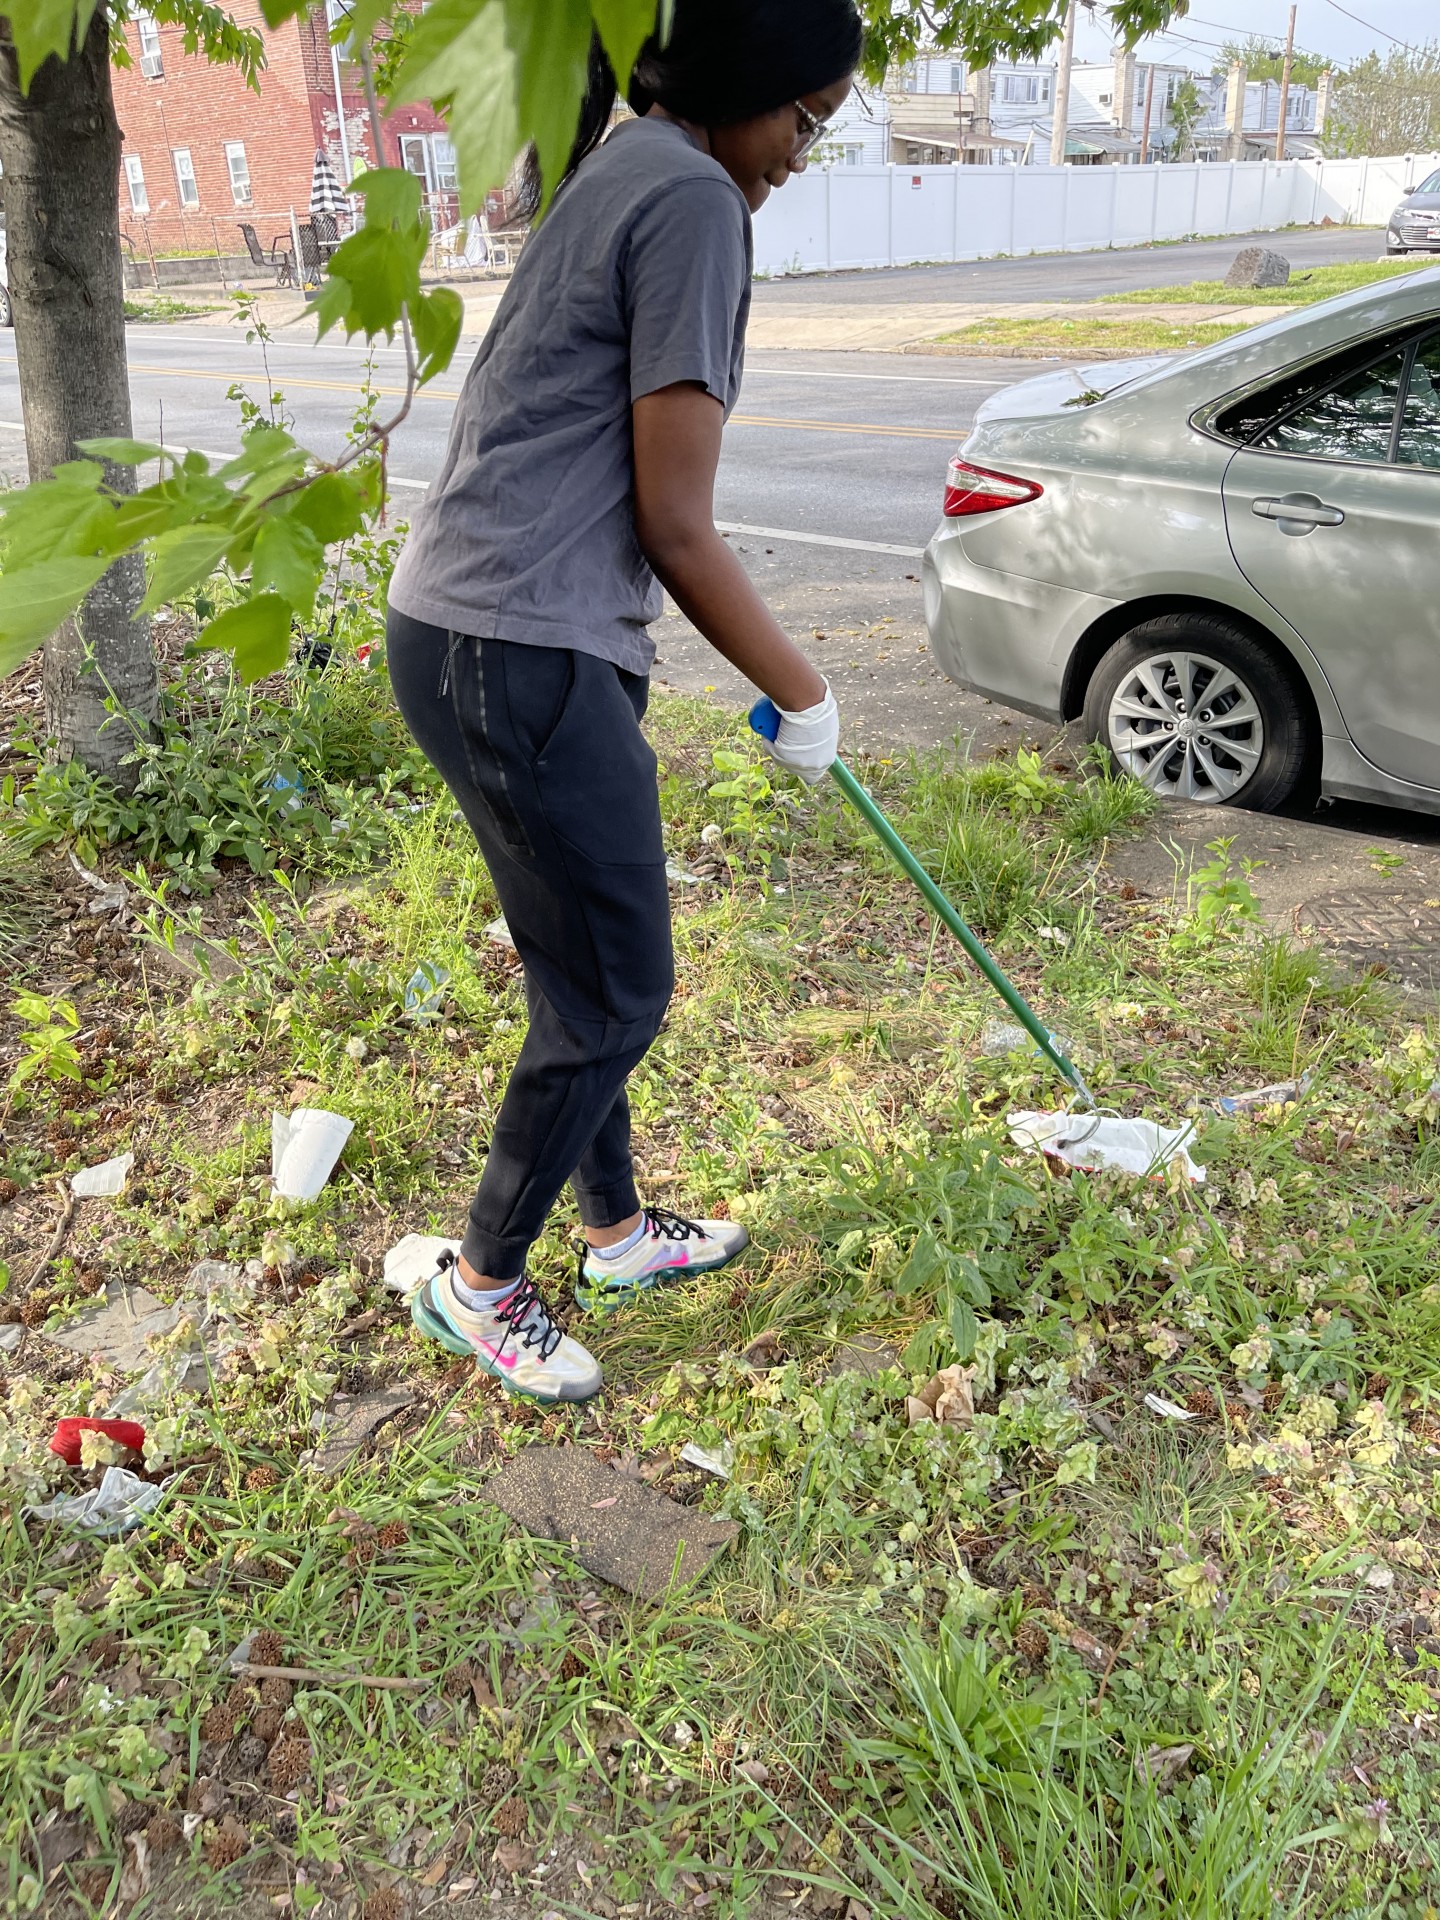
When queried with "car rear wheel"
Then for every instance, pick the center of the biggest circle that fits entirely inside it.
(1197, 710)
(5, 316)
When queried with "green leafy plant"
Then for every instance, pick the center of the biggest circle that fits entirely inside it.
(47, 1040)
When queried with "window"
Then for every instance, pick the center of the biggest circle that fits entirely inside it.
(135, 181)
(1419, 442)
(447, 174)
(239, 172)
(152, 64)
(1354, 421)
(1432, 185)
(854, 156)
(1020, 89)
(185, 177)
(1045, 85)
(957, 76)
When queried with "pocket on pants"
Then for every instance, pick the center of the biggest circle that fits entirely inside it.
(596, 774)
(493, 756)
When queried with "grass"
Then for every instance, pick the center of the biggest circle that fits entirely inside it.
(1066, 1658)
(162, 307)
(1302, 289)
(1056, 336)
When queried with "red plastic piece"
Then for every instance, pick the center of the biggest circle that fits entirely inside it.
(66, 1438)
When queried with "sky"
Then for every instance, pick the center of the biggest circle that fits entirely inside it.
(1322, 27)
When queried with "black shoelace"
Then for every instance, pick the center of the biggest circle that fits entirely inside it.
(525, 1305)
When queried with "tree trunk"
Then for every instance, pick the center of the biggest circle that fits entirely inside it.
(60, 148)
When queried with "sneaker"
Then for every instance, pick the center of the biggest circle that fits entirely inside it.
(516, 1340)
(669, 1248)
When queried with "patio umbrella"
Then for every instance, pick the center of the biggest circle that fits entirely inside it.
(326, 193)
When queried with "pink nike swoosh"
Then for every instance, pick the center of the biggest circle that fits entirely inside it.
(506, 1360)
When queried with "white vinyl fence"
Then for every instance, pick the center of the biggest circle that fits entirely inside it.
(897, 216)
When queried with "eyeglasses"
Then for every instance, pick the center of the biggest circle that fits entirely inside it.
(811, 131)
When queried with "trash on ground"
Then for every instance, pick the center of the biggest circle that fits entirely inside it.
(719, 1462)
(864, 1355)
(1005, 1036)
(119, 1329)
(414, 1260)
(120, 1502)
(948, 1399)
(1282, 1093)
(304, 1147)
(1167, 1409)
(685, 878)
(499, 932)
(620, 1530)
(1090, 1141)
(106, 896)
(104, 1181)
(66, 1438)
(425, 992)
(350, 1424)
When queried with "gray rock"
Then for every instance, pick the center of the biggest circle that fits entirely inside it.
(620, 1529)
(351, 1425)
(1258, 267)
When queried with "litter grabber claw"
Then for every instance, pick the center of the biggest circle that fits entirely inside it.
(765, 720)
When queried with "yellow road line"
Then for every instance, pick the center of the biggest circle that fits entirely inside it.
(284, 384)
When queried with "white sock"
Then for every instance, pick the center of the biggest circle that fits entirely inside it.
(621, 1246)
(476, 1298)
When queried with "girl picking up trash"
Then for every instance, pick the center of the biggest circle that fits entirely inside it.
(578, 479)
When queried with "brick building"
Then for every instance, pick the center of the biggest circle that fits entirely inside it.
(203, 151)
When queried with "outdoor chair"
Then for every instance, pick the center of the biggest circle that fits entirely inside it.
(280, 258)
(327, 233)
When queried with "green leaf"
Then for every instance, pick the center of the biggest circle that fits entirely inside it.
(263, 446)
(34, 601)
(381, 268)
(333, 505)
(436, 319)
(964, 1328)
(288, 557)
(126, 453)
(256, 633)
(182, 559)
(393, 196)
(550, 42)
(42, 27)
(624, 26)
(460, 56)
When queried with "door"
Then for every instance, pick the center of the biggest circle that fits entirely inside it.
(415, 158)
(1333, 514)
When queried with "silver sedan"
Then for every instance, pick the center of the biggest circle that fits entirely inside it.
(1227, 564)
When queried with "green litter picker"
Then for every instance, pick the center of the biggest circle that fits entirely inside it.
(765, 720)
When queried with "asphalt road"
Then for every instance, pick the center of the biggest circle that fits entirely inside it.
(1071, 276)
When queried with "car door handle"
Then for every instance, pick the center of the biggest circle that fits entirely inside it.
(1300, 509)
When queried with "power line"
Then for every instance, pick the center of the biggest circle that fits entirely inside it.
(1369, 28)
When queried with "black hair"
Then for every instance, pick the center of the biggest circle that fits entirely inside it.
(722, 61)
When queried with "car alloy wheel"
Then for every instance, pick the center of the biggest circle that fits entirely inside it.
(1187, 726)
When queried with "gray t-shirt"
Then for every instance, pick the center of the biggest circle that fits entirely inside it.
(638, 277)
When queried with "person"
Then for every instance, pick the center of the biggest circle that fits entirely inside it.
(579, 477)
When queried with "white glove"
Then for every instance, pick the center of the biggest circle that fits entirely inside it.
(808, 741)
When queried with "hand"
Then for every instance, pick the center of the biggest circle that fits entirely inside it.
(808, 742)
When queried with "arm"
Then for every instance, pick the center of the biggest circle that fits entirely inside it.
(677, 448)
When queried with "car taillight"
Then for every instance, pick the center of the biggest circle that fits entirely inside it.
(977, 490)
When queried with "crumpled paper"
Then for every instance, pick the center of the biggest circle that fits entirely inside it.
(948, 1399)
(103, 1181)
(414, 1260)
(120, 1502)
(1090, 1141)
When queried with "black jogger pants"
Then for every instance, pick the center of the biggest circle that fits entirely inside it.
(543, 751)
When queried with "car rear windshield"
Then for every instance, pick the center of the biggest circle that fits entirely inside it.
(1247, 419)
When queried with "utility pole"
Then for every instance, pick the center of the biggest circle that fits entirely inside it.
(1062, 88)
(1285, 86)
(1149, 109)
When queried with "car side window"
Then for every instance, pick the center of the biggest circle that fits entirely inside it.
(1354, 420)
(1419, 442)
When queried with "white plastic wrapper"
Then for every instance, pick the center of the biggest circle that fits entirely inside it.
(414, 1260)
(304, 1148)
(120, 1502)
(102, 1182)
(1091, 1141)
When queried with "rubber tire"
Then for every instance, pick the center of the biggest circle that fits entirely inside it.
(1394, 253)
(7, 318)
(1277, 688)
